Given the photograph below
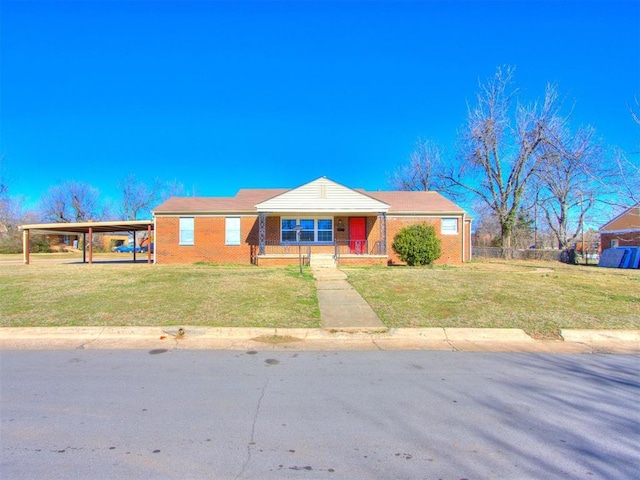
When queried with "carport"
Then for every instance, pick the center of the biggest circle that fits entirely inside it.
(86, 228)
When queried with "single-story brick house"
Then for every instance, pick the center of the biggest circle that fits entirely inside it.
(622, 231)
(321, 221)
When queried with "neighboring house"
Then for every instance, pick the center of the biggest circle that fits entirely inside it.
(60, 242)
(321, 220)
(622, 231)
(113, 240)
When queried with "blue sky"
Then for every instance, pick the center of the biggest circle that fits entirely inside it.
(227, 95)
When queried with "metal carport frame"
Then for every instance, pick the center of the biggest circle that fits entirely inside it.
(85, 228)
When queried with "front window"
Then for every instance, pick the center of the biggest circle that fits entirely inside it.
(186, 231)
(325, 230)
(449, 226)
(307, 231)
(288, 232)
(232, 231)
(312, 230)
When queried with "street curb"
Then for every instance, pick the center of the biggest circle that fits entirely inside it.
(226, 338)
(576, 335)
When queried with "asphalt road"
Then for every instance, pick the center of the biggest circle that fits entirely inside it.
(90, 414)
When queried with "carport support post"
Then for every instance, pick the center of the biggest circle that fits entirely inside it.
(25, 246)
(90, 245)
(84, 248)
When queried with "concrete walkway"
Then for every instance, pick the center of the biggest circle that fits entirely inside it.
(342, 309)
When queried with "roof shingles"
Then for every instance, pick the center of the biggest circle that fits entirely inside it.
(246, 200)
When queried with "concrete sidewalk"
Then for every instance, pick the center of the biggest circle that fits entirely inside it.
(342, 309)
(195, 337)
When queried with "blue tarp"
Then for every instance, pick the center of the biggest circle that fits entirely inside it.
(620, 257)
(635, 258)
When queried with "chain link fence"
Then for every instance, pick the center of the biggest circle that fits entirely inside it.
(522, 254)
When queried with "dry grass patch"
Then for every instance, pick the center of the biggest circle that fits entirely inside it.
(538, 297)
(128, 294)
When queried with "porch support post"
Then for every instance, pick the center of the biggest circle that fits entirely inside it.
(25, 246)
(262, 232)
(148, 243)
(382, 220)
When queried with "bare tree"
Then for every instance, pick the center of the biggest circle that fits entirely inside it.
(137, 197)
(627, 174)
(172, 188)
(501, 154)
(4, 188)
(4, 196)
(71, 202)
(423, 172)
(621, 183)
(566, 181)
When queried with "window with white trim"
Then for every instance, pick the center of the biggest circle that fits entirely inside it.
(232, 231)
(614, 243)
(186, 231)
(312, 230)
(449, 226)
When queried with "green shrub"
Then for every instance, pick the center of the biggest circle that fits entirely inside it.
(40, 246)
(417, 244)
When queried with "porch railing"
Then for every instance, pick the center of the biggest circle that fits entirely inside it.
(357, 247)
(276, 248)
(339, 248)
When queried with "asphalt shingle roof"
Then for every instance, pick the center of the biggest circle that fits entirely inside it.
(247, 199)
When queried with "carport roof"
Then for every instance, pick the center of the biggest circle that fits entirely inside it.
(96, 227)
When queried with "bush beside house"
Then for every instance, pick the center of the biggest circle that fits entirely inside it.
(417, 245)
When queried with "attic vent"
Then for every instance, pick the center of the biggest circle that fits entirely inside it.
(323, 191)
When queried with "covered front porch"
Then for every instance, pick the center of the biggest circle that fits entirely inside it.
(321, 240)
(321, 220)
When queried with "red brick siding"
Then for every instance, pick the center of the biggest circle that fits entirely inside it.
(209, 240)
(360, 261)
(630, 239)
(451, 245)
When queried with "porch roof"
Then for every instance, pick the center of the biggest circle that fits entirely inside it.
(323, 196)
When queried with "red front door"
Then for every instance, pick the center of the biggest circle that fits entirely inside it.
(358, 234)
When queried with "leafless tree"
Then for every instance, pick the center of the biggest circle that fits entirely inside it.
(423, 171)
(621, 182)
(172, 188)
(137, 197)
(4, 188)
(71, 202)
(4, 197)
(628, 179)
(501, 148)
(567, 189)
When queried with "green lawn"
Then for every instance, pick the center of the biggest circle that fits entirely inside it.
(128, 294)
(540, 298)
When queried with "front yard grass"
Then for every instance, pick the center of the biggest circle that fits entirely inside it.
(121, 294)
(540, 298)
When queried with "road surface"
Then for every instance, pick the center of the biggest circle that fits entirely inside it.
(160, 414)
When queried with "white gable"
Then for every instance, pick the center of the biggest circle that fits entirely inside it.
(322, 195)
